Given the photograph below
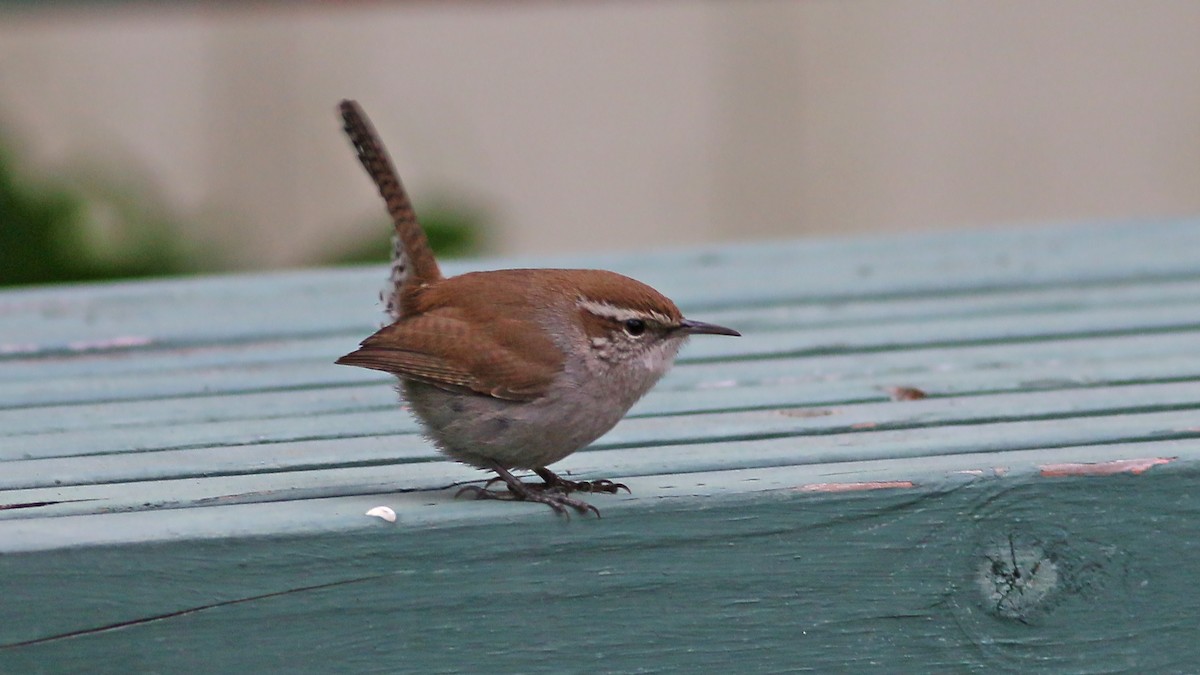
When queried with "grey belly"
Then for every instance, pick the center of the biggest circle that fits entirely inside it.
(478, 430)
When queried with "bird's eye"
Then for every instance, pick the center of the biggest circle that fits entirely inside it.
(635, 327)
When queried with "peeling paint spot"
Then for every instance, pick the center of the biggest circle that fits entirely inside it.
(1133, 466)
(718, 384)
(17, 348)
(864, 425)
(120, 342)
(855, 487)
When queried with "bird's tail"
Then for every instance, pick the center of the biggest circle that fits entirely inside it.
(413, 263)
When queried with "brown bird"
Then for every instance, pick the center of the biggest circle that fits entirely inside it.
(513, 369)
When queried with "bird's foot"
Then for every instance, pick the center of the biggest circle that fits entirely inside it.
(556, 483)
(527, 492)
(560, 484)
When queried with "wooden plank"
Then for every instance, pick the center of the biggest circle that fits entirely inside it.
(194, 485)
(1080, 360)
(767, 439)
(940, 264)
(22, 389)
(724, 388)
(857, 315)
(344, 422)
(908, 578)
(269, 505)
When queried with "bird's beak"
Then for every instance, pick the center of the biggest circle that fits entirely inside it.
(689, 327)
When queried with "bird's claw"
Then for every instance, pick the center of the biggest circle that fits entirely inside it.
(560, 484)
(559, 501)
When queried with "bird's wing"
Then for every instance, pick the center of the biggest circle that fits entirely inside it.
(438, 348)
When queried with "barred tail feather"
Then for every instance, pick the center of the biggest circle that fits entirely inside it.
(412, 259)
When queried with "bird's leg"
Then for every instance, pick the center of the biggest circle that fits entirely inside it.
(555, 482)
(520, 491)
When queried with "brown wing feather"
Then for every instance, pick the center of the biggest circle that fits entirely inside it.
(410, 364)
(437, 348)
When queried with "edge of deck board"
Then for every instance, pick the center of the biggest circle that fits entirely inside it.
(808, 575)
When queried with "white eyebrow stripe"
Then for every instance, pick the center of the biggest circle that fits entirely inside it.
(621, 314)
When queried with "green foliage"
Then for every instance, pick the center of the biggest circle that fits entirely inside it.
(99, 228)
(453, 231)
(55, 233)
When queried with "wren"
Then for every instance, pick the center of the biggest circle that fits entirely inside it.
(513, 369)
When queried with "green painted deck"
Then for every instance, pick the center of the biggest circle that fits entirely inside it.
(184, 475)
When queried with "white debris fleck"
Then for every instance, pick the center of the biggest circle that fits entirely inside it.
(384, 512)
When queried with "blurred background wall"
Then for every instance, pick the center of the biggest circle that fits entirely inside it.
(612, 124)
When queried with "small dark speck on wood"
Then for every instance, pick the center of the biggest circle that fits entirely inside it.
(906, 393)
